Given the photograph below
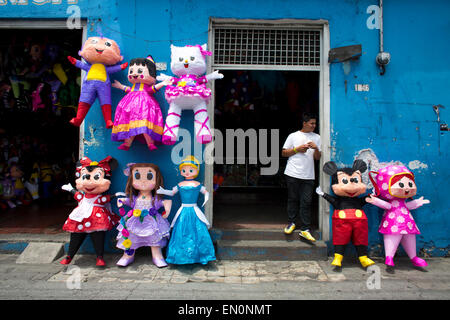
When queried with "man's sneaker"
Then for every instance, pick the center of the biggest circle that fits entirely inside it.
(290, 228)
(305, 234)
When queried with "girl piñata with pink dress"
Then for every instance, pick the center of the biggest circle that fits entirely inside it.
(138, 113)
(395, 184)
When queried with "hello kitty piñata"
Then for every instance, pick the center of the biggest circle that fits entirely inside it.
(188, 91)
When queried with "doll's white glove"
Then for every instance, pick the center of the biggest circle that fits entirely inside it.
(319, 191)
(67, 187)
(119, 202)
(213, 76)
(206, 198)
(120, 194)
(163, 77)
(161, 190)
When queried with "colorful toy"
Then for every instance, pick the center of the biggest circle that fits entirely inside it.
(217, 181)
(102, 56)
(8, 192)
(143, 225)
(188, 91)
(93, 214)
(16, 174)
(349, 222)
(393, 185)
(32, 184)
(138, 113)
(46, 178)
(190, 241)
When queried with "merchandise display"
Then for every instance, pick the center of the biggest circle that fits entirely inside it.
(39, 93)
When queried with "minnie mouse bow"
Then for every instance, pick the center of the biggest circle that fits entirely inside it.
(104, 164)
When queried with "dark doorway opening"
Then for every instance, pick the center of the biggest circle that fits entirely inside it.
(247, 99)
(39, 92)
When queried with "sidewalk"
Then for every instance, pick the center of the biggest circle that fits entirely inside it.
(221, 280)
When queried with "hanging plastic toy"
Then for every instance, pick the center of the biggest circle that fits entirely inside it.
(138, 113)
(188, 91)
(101, 55)
(393, 185)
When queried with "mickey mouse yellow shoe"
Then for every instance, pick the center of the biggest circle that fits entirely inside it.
(365, 261)
(337, 261)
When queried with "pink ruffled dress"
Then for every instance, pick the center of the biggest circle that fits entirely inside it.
(188, 85)
(138, 113)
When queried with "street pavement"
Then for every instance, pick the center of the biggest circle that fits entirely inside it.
(221, 280)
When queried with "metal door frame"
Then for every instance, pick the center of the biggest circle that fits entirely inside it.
(324, 99)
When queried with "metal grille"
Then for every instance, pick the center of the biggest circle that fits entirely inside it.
(266, 47)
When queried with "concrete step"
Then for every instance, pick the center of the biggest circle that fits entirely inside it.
(257, 234)
(41, 253)
(277, 250)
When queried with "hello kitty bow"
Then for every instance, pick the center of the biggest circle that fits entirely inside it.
(202, 51)
(104, 164)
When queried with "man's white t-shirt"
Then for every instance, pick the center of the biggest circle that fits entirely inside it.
(301, 165)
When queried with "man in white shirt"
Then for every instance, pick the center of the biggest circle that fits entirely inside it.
(302, 148)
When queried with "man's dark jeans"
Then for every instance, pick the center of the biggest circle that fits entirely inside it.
(300, 194)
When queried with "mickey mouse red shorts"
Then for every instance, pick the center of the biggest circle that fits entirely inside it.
(356, 230)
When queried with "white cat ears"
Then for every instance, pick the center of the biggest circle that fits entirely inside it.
(202, 48)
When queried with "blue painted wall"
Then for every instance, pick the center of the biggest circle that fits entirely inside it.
(393, 121)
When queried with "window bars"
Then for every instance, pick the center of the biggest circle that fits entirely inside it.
(267, 47)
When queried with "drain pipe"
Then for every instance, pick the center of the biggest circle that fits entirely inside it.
(382, 58)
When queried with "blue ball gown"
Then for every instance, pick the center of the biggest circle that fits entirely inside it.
(190, 241)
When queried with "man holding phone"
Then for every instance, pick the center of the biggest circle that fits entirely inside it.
(302, 148)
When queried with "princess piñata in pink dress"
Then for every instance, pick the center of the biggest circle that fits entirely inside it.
(138, 113)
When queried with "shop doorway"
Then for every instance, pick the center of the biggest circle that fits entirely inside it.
(39, 91)
(258, 99)
(286, 55)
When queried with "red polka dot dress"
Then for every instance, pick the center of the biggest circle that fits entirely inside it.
(92, 214)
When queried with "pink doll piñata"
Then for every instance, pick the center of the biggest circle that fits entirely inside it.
(188, 91)
(102, 56)
(395, 184)
(138, 113)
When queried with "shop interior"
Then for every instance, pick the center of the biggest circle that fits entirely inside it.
(243, 198)
(39, 91)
